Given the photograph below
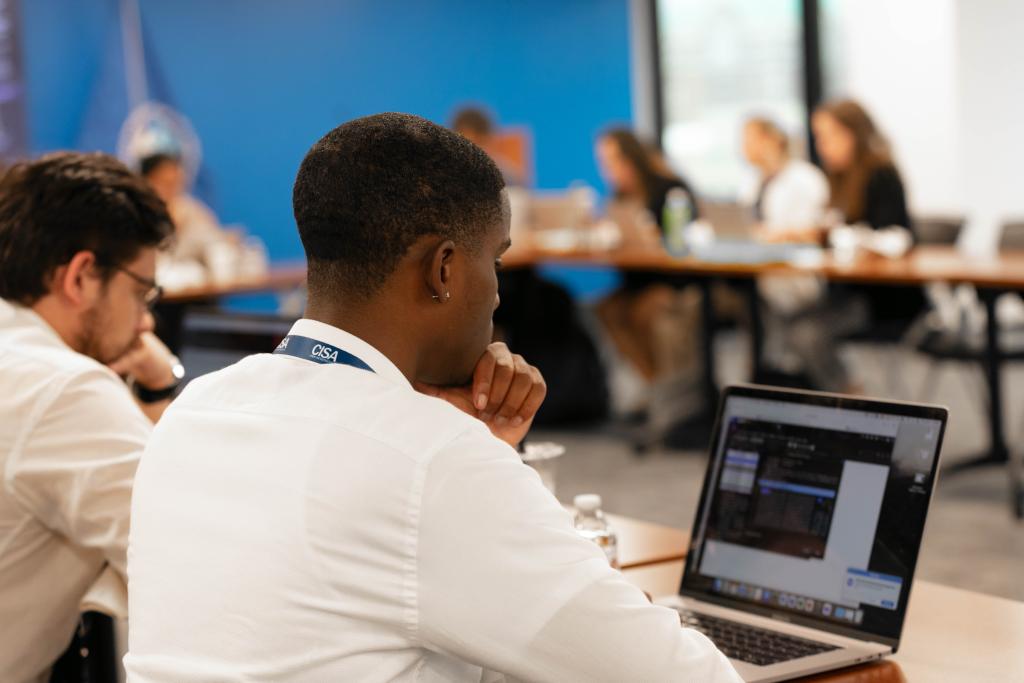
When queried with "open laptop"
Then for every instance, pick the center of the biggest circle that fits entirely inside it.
(808, 531)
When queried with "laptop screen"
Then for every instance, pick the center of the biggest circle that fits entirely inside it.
(814, 506)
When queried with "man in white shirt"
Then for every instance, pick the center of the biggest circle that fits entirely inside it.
(318, 514)
(78, 241)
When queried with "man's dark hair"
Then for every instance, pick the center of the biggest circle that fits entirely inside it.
(371, 187)
(155, 161)
(473, 120)
(67, 202)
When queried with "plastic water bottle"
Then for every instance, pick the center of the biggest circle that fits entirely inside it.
(591, 524)
(676, 216)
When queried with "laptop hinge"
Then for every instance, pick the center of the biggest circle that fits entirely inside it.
(787, 618)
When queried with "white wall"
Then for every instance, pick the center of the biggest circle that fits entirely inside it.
(898, 58)
(990, 57)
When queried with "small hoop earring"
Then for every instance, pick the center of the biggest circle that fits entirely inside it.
(447, 297)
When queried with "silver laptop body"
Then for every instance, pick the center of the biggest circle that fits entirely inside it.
(808, 528)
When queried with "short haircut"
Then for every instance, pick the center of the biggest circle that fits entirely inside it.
(152, 162)
(67, 202)
(472, 119)
(370, 188)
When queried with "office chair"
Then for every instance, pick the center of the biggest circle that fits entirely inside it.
(965, 342)
(1012, 236)
(938, 230)
(891, 337)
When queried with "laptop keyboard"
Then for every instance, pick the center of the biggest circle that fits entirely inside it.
(749, 643)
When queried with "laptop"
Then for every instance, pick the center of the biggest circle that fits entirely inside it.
(808, 529)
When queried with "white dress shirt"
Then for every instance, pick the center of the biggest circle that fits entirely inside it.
(303, 522)
(794, 198)
(70, 440)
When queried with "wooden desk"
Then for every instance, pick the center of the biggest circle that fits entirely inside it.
(170, 311)
(949, 635)
(923, 265)
(644, 544)
(281, 276)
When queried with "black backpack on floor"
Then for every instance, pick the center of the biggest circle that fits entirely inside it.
(538, 319)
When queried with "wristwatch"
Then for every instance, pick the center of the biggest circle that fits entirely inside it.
(154, 395)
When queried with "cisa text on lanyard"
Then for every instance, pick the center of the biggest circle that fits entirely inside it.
(318, 352)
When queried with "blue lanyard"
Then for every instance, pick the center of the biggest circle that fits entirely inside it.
(318, 352)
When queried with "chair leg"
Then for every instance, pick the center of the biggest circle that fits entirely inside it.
(980, 388)
(893, 374)
(931, 381)
(880, 360)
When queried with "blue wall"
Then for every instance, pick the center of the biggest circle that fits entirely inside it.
(261, 80)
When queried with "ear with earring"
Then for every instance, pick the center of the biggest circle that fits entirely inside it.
(447, 297)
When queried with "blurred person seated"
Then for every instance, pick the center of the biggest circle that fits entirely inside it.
(647, 320)
(477, 126)
(788, 198)
(79, 235)
(202, 249)
(865, 188)
(638, 176)
(195, 225)
(788, 195)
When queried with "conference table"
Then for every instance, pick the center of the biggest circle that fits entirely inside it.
(643, 544)
(949, 634)
(991, 275)
(283, 276)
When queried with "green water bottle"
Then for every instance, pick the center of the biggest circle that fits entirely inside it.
(675, 218)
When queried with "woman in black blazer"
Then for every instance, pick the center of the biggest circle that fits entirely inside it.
(866, 188)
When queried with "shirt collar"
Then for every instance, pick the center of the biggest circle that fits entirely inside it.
(23, 316)
(334, 336)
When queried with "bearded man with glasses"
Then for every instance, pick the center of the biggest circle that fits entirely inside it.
(79, 235)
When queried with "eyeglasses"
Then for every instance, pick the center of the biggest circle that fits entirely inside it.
(153, 290)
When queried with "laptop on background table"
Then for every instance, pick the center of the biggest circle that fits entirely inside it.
(808, 529)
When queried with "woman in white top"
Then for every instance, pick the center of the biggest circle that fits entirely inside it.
(790, 194)
(789, 201)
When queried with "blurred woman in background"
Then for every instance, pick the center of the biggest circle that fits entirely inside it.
(788, 200)
(789, 194)
(864, 183)
(649, 322)
(865, 187)
(195, 225)
(637, 174)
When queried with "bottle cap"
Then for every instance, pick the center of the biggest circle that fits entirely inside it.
(587, 502)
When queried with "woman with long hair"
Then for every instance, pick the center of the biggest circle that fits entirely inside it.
(636, 172)
(649, 322)
(865, 187)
